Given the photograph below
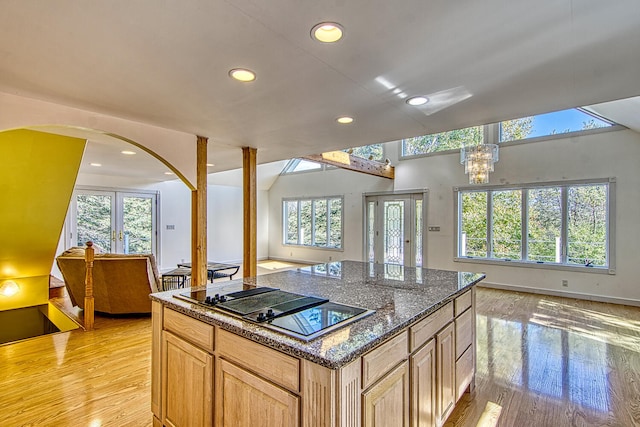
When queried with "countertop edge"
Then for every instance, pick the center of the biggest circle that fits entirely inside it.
(244, 329)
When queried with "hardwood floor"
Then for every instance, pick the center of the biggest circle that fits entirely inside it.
(542, 361)
(77, 378)
(549, 361)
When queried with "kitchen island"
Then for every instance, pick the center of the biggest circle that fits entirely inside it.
(407, 363)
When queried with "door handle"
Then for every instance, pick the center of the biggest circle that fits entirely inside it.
(120, 236)
(407, 241)
(113, 235)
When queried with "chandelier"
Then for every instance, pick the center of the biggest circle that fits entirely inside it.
(478, 161)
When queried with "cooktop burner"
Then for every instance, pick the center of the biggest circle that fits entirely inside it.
(300, 316)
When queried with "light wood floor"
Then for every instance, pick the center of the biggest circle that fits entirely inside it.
(547, 361)
(542, 361)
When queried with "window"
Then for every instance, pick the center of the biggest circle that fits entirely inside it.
(540, 126)
(115, 221)
(371, 152)
(554, 224)
(558, 122)
(300, 165)
(315, 222)
(451, 140)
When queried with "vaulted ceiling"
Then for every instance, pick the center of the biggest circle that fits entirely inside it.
(167, 63)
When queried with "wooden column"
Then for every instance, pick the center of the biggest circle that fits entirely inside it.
(199, 218)
(250, 253)
(89, 255)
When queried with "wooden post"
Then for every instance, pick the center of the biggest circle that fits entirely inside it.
(89, 254)
(199, 218)
(250, 253)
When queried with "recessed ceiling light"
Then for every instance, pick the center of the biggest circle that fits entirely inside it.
(169, 173)
(417, 100)
(327, 32)
(96, 164)
(128, 153)
(242, 74)
(345, 120)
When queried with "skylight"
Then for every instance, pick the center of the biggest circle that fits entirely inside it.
(300, 165)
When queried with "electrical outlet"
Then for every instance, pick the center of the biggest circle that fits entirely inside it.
(565, 283)
(330, 258)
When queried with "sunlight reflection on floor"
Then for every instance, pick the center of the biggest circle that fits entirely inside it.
(490, 416)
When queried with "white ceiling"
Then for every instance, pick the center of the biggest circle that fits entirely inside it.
(167, 63)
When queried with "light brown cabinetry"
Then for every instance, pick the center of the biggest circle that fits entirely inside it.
(423, 386)
(465, 337)
(245, 399)
(187, 383)
(377, 362)
(270, 364)
(442, 364)
(386, 404)
(445, 372)
(212, 377)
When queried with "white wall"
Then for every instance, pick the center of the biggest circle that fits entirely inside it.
(224, 219)
(608, 154)
(225, 223)
(334, 182)
(177, 148)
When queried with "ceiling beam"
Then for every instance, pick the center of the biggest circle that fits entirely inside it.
(348, 161)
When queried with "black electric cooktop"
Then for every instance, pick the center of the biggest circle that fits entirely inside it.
(303, 317)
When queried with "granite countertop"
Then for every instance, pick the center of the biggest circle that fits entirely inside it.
(399, 295)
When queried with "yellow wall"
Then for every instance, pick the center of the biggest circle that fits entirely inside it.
(37, 175)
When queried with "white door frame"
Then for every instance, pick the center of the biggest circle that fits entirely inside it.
(117, 195)
(420, 194)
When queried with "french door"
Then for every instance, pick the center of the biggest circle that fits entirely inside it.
(395, 229)
(115, 221)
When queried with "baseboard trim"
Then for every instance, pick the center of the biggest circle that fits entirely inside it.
(566, 294)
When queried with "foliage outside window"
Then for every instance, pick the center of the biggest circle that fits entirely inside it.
(451, 140)
(555, 123)
(315, 222)
(564, 224)
(372, 152)
(94, 220)
(541, 125)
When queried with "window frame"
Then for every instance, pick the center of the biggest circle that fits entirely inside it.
(491, 134)
(558, 135)
(298, 200)
(610, 268)
(486, 129)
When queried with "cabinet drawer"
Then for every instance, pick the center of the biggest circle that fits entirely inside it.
(464, 332)
(270, 364)
(188, 328)
(463, 302)
(379, 361)
(425, 329)
(464, 372)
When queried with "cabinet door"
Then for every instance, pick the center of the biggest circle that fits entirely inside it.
(446, 372)
(423, 386)
(187, 382)
(244, 399)
(386, 404)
